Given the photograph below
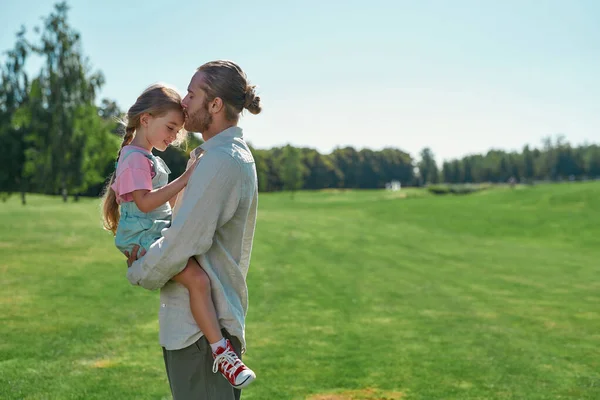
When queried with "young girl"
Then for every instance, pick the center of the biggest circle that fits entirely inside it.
(137, 207)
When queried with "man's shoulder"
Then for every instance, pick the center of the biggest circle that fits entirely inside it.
(236, 150)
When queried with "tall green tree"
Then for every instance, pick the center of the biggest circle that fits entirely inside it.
(321, 171)
(591, 157)
(428, 170)
(69, 89)
(14, 94)
(528, 164)
(293, 169)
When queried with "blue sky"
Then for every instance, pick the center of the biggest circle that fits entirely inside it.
(458, 76)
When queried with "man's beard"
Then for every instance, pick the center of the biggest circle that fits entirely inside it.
(200, 121)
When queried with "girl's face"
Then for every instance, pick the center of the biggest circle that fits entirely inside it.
(163, 130)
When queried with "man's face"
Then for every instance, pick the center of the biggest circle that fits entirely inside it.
(195, 104)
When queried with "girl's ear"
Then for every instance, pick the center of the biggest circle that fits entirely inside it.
(145, 119)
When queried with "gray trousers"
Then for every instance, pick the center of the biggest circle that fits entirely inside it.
(190, 372)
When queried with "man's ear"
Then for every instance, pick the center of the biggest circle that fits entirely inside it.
(216, 105)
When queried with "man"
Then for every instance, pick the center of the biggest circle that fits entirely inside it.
(214, 220)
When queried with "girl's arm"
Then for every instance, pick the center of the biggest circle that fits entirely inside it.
(172, 201)
(148, 200)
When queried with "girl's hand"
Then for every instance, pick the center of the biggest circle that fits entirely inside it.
(188, 172)
(134, 255)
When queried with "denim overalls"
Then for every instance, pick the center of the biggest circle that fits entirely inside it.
(137, 227)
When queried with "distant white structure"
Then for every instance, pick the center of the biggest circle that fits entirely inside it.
(393, 186)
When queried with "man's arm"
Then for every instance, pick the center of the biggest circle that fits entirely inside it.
(210, 200)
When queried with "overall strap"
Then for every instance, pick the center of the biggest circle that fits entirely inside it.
(148, 156)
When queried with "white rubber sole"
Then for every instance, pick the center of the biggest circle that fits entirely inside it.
(248, 381)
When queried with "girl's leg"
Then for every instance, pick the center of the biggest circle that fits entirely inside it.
(226, 361)
(197, 283)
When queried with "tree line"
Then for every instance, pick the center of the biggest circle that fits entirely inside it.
(555, 160)
(59, 138)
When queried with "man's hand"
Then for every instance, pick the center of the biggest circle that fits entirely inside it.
(134, 255)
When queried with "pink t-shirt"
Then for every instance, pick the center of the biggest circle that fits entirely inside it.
(133, 173)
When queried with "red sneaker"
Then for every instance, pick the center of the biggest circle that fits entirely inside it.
(231, 367)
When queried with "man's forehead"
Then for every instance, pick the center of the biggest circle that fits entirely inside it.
(197, 82)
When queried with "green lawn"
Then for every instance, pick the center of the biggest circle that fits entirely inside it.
(353, 295)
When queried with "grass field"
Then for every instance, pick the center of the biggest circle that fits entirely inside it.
(353, 295)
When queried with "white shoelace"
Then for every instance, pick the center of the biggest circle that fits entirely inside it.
(230, 362)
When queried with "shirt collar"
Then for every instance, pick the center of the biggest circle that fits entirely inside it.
(226, 136)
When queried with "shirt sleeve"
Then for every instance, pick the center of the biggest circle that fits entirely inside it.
(134, 174)
(211, 199)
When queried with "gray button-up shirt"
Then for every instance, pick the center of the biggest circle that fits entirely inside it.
(213, 221)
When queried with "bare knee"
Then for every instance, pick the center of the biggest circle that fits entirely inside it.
(193, 277)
